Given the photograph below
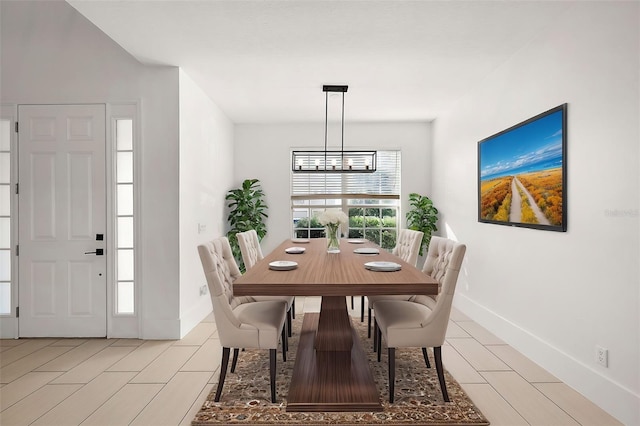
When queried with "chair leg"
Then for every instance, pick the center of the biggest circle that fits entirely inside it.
(285, 343)
(392, 373)
(289, 314)
(361, 308)
(236, 351)
(379, 340)
(426, 357)
(293, 308)
(272, 373)
(375, 335)
(437, 355)
(223, 372)
(369, 324)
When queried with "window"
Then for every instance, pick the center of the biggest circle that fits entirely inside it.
(371, 201)
(5, 217)
(125, 214)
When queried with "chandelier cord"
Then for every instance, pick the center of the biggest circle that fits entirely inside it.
(342, 146)
(326, 124)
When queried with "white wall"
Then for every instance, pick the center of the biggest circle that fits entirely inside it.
(206, 172)
(52, 55)
(264, 152)
(555, 296)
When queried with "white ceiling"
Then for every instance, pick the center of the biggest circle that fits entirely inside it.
(266, 61)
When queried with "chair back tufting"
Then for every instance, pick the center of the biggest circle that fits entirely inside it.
(221, 270)
(408, 245)
(443, 262)
(250, 248)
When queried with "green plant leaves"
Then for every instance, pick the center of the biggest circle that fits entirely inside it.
(422, 217)
(247, 211)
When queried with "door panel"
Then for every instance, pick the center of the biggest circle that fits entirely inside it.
(80, 196)
(42, 280)
(42, 190)
(62, 204)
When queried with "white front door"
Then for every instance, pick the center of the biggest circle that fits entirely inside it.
(62, 214)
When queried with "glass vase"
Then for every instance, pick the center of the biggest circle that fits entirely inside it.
(333, 238)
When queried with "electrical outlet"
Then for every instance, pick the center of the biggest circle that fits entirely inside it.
(602, 356)
(203, 290)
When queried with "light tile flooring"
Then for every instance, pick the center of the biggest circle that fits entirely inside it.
(135, 382)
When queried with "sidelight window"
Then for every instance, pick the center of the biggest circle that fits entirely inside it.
(125, 217)
(5, 216)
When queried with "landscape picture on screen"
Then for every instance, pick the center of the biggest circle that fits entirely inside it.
(522, 173)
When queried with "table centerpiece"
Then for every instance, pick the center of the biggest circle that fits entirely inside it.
(332, 219)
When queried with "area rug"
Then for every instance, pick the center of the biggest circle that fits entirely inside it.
(246, 397)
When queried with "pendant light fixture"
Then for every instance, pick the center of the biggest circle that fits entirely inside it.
(333, 161)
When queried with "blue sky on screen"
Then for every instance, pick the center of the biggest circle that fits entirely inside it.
(532, 147)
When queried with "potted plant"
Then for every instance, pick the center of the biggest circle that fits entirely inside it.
(422, 217)
(247, 211)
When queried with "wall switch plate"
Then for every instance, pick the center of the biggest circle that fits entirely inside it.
(202, 228)
(602, 356)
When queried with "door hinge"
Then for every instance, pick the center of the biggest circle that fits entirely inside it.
(17, 311)
(18, 250)
(17, 189)
(16, 127)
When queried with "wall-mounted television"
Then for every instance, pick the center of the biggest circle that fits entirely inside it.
(522, 173)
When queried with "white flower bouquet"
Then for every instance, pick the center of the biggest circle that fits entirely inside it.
(332, 219)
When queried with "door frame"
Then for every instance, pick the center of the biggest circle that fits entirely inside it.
(118, 326)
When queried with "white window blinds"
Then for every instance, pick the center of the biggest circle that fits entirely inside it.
(383, 183)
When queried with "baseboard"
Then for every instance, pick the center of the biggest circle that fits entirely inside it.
(615, 399)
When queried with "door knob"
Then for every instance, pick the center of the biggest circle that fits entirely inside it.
(98, 252)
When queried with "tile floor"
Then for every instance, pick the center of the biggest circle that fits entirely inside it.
(135, 382)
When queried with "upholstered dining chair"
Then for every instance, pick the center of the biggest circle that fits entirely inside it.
(251, 254)
(422, 321)
(407, 248)
(250, 248)
(241, 321)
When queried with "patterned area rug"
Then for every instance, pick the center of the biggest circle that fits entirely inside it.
(246, 398)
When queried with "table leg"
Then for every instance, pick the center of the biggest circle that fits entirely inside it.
(327, 375)
(334, 327)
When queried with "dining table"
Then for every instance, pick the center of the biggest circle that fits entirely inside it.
(331, 370)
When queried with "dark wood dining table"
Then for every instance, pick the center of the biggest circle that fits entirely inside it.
(331, 371)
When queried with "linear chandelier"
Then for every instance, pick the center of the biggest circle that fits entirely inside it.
(333, 161)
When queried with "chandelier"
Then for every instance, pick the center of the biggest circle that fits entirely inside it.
(333, 161)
